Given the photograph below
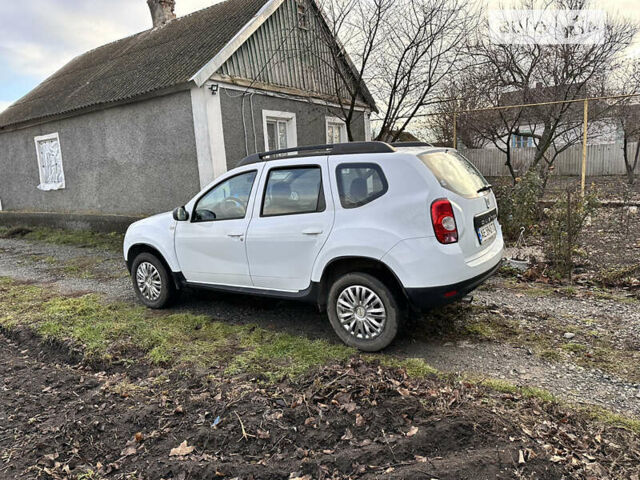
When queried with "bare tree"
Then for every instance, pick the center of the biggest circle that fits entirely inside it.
(404, 49)
(627, 113)
(356, 24)
(551, 73)
(478, 123)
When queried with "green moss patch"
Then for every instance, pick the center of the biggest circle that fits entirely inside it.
(77, 238)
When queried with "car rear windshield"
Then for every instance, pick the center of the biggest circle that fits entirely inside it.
(454, 172)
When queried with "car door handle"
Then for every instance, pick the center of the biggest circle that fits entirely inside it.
(312, 231)
(235, 235)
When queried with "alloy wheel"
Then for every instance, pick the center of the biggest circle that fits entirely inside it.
(149, 281)
(361, 312)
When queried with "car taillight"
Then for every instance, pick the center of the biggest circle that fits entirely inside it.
(444, 222)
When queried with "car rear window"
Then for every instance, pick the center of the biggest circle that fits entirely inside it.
(454, 172)
(360, 183)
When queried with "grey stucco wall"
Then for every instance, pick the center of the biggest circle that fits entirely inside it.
(310, 120)
(133, 159)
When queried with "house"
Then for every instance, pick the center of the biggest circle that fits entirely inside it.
(140, 125)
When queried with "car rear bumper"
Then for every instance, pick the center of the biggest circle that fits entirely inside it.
(424, 299)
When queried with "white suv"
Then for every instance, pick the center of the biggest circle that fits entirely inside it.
(366, 230)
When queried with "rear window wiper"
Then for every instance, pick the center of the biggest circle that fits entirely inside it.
(485, 188)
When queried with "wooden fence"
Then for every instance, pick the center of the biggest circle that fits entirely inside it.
(605, 159)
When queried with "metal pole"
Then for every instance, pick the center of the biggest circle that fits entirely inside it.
(569, 252)
(585, 125)
(455, 133)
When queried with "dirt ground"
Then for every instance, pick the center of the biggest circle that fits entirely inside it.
(610, 241)
(351, 421)
(61, 417)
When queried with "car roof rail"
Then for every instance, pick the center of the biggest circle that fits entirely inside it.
(335, 149)
(411, 144)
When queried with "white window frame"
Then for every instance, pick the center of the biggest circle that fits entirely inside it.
(344, 138)
(43, 185)
(292, 130)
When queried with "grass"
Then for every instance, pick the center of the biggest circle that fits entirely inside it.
(415, 367)
(526, 392)
(117, 331)
(604, 295)
(77, 238)
(603, 415)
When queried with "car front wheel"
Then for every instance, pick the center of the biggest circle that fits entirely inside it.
(363, 312)
(151, 281)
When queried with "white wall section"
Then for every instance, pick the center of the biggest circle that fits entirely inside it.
(209, 134)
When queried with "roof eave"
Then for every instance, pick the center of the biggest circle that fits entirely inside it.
(39, 120)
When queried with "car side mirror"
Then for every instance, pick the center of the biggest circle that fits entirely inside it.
(180, 214)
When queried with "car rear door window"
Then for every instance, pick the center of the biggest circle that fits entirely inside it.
(360, 183)
(293, 190)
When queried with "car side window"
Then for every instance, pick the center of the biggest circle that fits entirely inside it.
(227, 200)
(360, 183)
(293, 190)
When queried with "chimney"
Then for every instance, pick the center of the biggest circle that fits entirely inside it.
(162, 11)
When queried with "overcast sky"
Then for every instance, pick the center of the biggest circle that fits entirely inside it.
(37, 37)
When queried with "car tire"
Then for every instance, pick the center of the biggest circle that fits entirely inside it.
(363, 311)
(152, 282)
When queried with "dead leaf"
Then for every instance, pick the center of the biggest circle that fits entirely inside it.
(404, 392)
(349, 407)
(412, 431)
(347, 435)
(274, 416)
(263, 434)
(556, 459)
(181, 450)
(359, 420)
(130, 450)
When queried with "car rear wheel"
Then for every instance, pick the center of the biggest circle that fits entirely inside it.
(151, 281)
(363, 312)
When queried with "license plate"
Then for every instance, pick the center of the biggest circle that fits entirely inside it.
(487, 232)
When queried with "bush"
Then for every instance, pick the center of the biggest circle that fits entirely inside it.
(563, 228)
(518, 205)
